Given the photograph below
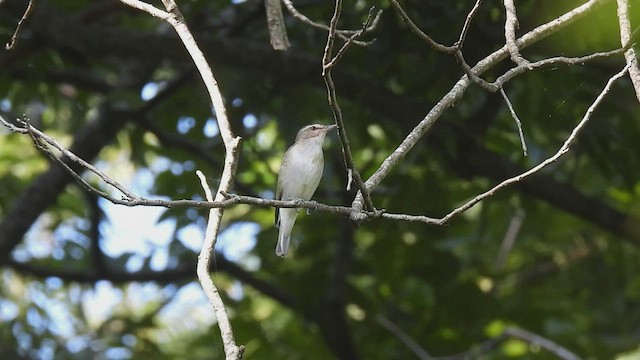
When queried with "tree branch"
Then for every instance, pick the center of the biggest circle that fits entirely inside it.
(563, 150)
(343, 34)
(16, 33)
(407, 340)
(43, 191)
(275, 23)
(421, 34)
(625, 40)
(517, 120)
(174, 17)
(480, 349)
(535, 339)
(510, 26)
(328, 62)
(456, 93)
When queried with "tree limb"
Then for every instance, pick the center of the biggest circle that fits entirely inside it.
(625, 40)
(174, 17)
(455, 94)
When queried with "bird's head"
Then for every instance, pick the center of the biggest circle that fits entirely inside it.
(314, 131)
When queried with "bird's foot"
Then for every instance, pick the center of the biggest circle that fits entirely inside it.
(315, 207)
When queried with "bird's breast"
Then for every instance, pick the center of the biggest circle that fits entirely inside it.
(303, 169)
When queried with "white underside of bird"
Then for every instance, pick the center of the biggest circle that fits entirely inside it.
(300, 174)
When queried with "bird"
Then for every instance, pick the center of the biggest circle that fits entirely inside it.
(299, 176)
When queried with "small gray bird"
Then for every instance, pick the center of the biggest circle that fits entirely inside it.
(299, 177)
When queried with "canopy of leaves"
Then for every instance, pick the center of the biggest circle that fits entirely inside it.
(556, 254)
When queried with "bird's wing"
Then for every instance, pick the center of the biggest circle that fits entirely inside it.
(279, 189)
(278, 197)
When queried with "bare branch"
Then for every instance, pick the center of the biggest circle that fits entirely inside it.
(481, 349)
(16, 33)
(275, 23)
(467, 22)
(328, 62)
(231, 199)
(563, 150)
(148, 8)
(472, 75)
(459, 88)
(510, 26)
(38, 136)
(349, 41)
(517, 120)
(421, 34)
(174, 17)
(343, 34)
(210, 237)
(434, 44)
(559, 60)
(625, 40)
(407, 340)
(535, 339)
(510, 237)
(224, 201)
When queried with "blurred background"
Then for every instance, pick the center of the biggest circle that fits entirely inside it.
(81, 278)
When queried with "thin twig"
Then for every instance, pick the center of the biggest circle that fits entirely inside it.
(559, 60)
(421, 34)
(434, 44)
(350, 41)
(563, 150)
(535, 339)
(407, 340)
(625, 40)
(517, 120)
(16, 33)
(343, 34)
(328, 62)
(510, 237)
(467, 22)
(479, 349)
(460, 87)
(37, 136)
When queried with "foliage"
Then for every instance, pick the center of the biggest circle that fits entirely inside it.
(71, 290)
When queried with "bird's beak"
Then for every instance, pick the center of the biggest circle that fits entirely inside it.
(330, 127)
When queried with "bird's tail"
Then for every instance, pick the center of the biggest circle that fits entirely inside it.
(287, 219)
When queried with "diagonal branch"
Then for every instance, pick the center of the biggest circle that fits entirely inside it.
(460, 87)
(467, 22)
(16, 33)
(478, 350)
(407, 340)
(456, 47)
(342, 34)
(421, 34)
(535, 339)
(563, 150)
(515, 117)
